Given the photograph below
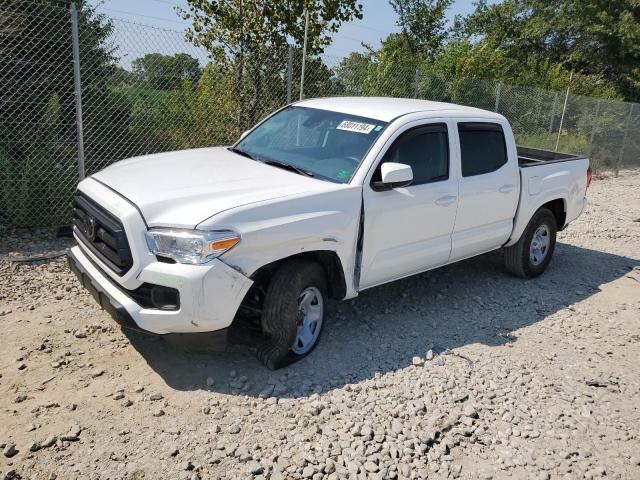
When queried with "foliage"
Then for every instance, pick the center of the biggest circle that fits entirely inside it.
(37, 126)
(251, 39)
(165, 72)
(168, 102)
(599, 39)
(351, 73)
(204, 114)
(229, 28)
(423, 23)
(185, 117)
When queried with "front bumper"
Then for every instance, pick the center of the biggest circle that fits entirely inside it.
(106, 301)
(209, 295)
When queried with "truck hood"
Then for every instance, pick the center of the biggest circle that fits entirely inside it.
(183, 188)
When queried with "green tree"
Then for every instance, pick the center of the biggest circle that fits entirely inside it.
(597, 39)
(352, 73)
(187, 116)
(319, 80)
(423, 22)
(404, 60)
(165, 72)
(38, 172)
(394, 68)
(251, 38)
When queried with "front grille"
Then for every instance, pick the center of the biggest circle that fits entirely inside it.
(102, 234)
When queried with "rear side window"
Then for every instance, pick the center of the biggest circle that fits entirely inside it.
(482, 147)
(425, 149)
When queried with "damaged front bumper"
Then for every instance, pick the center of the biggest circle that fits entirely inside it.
(209, 295)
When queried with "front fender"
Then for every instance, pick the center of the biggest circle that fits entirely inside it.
(280, 228)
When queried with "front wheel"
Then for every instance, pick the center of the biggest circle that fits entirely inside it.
(293, 313)
(530, 256)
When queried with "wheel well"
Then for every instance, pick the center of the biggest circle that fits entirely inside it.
(329, 261)
(558, 209)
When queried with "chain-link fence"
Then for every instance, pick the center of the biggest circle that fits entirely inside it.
(132, 89)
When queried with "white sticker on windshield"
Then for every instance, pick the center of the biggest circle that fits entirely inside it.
(358, 127)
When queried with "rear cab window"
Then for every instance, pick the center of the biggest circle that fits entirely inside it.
(482, 147)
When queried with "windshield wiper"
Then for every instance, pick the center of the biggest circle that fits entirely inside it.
(275, 163)
(241, 152)
(288, 166)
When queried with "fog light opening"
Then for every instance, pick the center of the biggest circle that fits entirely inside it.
(165, 298)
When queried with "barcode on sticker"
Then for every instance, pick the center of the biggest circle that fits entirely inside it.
(358, 127)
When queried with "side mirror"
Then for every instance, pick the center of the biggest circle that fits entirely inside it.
(394, 175)
(244, 134)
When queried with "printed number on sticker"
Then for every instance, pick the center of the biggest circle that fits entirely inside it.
(355, 126)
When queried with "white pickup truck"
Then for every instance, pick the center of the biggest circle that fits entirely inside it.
(322, 199)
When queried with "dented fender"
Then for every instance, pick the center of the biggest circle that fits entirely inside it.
(280, 228)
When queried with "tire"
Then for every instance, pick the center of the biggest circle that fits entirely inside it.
(525, 260)
(298, 286)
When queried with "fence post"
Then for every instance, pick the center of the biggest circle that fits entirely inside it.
(564, 109)
(289, 74)
(553, 115)
(77, 87)
(624, 140)
(416, 83)
(498, 91)
(593, 125)
(304, 52)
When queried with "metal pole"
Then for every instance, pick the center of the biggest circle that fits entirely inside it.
(624, 140)
(498, 91)
(564, 109)
(304, 52)
(416, 87)
(289, 74)
(77, 87)
(593, 125)
(553, 116)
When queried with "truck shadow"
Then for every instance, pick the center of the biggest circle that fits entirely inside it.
(471, 302)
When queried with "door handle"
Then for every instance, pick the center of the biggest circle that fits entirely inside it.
(506, 188)
(446, 200)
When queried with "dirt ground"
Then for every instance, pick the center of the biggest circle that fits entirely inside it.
(462, 372)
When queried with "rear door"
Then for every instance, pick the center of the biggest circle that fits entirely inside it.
(489, 187)
(408, 230)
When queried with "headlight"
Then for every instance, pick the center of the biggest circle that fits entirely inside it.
(190, 246)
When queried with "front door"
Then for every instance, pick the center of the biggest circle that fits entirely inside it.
(408, 230)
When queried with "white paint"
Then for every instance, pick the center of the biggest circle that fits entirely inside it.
(181, 189)
(209, 295)
(396, 173)
(279, 213)
(487, 203)
(405, 230)
(385, 109)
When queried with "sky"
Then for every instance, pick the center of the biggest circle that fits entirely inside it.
(378, 21)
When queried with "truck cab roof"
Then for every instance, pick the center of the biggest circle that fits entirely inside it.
(387, 109)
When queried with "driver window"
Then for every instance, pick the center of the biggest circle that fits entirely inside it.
(425, 149)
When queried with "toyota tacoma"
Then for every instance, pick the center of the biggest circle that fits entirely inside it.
(321, 200)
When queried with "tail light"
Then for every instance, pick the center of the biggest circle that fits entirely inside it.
(589, 176)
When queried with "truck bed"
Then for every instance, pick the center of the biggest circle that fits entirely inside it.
(530, 157)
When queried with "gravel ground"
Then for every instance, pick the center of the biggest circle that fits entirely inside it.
(463, 372)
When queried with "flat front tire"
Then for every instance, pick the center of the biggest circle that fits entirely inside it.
(293, 313)
(531, 255)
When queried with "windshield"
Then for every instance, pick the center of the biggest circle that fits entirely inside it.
(329, 145)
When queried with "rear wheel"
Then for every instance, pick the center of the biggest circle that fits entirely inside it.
(530, 256)
(293, 313)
